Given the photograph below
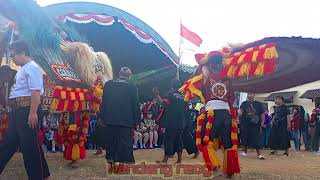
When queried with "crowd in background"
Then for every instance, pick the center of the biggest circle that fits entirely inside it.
(305, 129)
(259, 129)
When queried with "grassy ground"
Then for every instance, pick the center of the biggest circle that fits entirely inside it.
(302, 165)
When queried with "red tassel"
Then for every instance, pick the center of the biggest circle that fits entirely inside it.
(40, 137)
(60, 105)
(235, 142)
(248, 57)
(224, 71)
(200, 147)
(234, 129)
(77, 96)
(234, 60)
(68, 152)
(67, 95)
(80, 106)
(206, 158)
(236, 73)
(233, 165)
(260, 56)
(253, 68)
(269, 66)
(57, 93)
(82, 152)
(233, 113)
(198, 134)
(70, 106)
(207, 132)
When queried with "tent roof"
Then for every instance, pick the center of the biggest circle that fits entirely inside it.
(286, 95)
(310, 94)
(62, 9)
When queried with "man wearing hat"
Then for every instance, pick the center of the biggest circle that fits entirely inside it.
(120, 113)
(24, 102)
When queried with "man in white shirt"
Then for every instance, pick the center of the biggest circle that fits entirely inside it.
(24, 101)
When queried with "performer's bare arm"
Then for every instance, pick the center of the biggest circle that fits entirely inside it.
(136, 105)
(156, 93)
(263, 119)
(206, 73)
(35, 102)
(289, 122)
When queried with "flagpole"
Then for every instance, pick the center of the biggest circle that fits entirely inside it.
(180, 54)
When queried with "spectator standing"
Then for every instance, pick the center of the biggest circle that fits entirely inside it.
(304, 129)
(295, 127)
(121, 113)
(316, 136)
(252, 118)
(266, 130)
(281, 126)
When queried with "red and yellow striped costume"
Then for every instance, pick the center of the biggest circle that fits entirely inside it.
(72, 134)
(208, 146)
(254, 61)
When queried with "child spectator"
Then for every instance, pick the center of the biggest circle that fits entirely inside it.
(143, 130)
(152, 130)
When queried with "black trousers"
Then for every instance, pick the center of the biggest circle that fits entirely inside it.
(19, 134)
(221, 127)
(173, 141)
(119, 144)
(189, 142)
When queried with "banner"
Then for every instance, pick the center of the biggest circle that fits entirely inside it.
(47, 97)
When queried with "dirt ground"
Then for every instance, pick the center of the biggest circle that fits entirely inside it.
(302, 165)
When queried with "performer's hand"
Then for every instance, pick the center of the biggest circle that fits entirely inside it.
(33, 120)
(239, 112)
(155, 91)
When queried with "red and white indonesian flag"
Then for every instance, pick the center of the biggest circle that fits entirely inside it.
(190, 43)
(190, 36)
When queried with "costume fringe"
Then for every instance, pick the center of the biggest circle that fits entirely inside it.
(230, 164)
